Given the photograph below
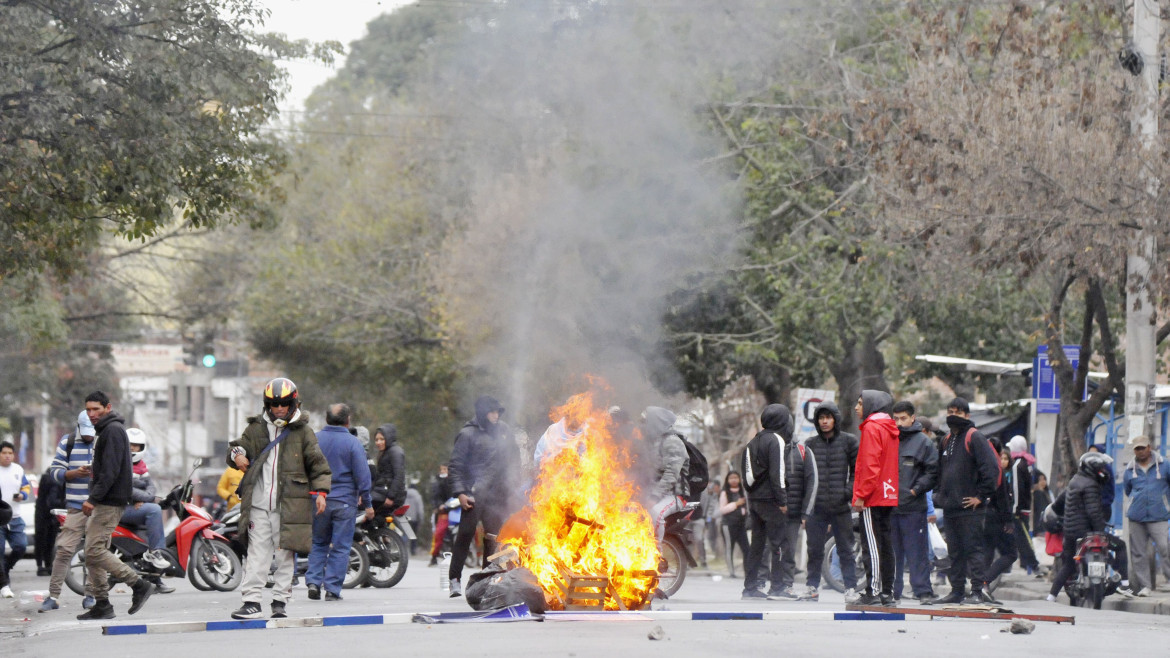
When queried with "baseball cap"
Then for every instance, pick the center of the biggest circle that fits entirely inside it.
(84, 427)
(1140, 441)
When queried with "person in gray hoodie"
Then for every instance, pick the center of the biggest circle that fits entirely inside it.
(668, 453)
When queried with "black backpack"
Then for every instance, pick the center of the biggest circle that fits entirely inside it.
(697, 475)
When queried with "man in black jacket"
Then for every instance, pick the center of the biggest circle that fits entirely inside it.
(764, 479)
(917, 475)
(967, 479)
(836, 456)
(109, 493)
(800, 467)
(484, 471)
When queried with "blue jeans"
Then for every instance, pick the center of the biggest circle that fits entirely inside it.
(149, 515)
(911, 552)
(13, 533)
(332, 537)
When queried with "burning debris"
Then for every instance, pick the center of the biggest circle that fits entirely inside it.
(583, 534)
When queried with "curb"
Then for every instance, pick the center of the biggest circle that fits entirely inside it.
(1013, 591)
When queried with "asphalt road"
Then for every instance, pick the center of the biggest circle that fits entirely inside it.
(60, 634)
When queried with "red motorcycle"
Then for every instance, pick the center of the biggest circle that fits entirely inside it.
(193, 548)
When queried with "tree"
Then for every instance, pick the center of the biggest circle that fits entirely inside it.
(114, 116)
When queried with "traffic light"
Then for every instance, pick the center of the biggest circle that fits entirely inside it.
(199, 351)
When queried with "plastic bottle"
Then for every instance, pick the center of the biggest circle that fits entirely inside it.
(444, 572)
(30, 601)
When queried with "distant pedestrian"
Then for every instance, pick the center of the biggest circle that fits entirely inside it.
(413, 514)
(836, 455)
(733, 513)
(668, 453)
(968, 476)
(1041, 499)
(1022, 468)
(711, 512)
(349, 496)
(917, 476)
(800, 467)
(50, 496)
(390, 483)
(441, 492)
(765, 480)
(1147, 483)
(875, 493)
(999, 526)
(14, 490)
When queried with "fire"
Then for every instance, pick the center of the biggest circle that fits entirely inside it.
(583, 518)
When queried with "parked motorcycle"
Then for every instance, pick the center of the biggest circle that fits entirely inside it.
(676, 554)
(385, 541)
(194, 548)
(1094, 578)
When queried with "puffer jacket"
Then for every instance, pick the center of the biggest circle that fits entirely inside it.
(1148, 490)
(301, 468)
(836, 456)
(485, 460)
(392, 466)
(1083, 511)
(801, 466)
(672, 465)
(917, 469)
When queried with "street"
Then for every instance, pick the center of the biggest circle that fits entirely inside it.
(58, 633)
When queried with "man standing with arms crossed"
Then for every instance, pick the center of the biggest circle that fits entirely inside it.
(109, 494)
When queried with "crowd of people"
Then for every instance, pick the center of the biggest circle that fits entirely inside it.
(301, 491)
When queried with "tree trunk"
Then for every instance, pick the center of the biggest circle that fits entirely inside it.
(861, 367)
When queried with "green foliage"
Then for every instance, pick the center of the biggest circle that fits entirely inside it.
(113, 115)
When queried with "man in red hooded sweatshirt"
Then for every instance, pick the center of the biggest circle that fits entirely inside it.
(875, 493)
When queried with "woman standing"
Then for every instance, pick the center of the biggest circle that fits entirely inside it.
(733, 507)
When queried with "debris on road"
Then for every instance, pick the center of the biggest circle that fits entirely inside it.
(656, 633)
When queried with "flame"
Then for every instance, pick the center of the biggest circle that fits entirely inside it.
(583, 517)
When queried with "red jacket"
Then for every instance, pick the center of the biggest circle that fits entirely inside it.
(875, 481)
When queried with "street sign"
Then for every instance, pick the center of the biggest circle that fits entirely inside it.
(807, 400)
(1044, 387)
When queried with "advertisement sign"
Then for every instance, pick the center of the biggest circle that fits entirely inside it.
(807, 400)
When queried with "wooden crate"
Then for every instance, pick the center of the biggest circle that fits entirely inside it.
(584, 592)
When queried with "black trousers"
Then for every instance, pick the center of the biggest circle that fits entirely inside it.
(877, 550)
(963, 531)
(1023, 538)
(816, 533)
(492, 514)
(44, 548)
(788, 551)
(767, 524)
(997, 539)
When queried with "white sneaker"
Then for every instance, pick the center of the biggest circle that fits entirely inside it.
(851, 596)
(1050, 598)
(1145, 591)
(6, 592)
(157, 559)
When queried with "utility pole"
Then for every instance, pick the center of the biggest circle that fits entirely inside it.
(1140, 319)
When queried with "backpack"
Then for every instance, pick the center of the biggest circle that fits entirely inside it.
(697, 475)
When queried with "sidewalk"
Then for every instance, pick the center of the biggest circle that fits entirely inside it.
(1018, 586)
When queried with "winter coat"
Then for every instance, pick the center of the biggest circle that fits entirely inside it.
(876, 480)
(349, 472)
(967, 468)
(301, 468)
(1149, 490)
(113, 476)
(1022, 476)
(391, 480)
(441, 491)
(485, 460)
(672, 464)
(144, 490)
(836, 456)
(1003, 503)
(1083, 510)
(801, 466)
(917, 469)
(764, 470)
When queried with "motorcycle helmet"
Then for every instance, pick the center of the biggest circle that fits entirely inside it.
(1096, 466)
(137, 437)
(281, 391)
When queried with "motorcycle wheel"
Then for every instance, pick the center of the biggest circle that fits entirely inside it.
(359, 566)
(1096, 595)
(831, 566)
(389, 557)
(674, 570)
(75, 577)
(217, 564)
(195, 579)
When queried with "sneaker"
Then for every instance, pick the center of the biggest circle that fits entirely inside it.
(101, 610)
(314, 591)
(850, 595)
(278, 610)
(434, 562)
(157, 559)
(925, 599)
(811, 594)
(954, 598)
(784, 594)
(868, 599)
(1125, 591)
(6, 592)
(456, 588)
(249, 610)
(1143, 592)
(48, 604)
(753, 594)
(88, 602)
(44, 571)
(330, 596)
(142, 591)
(889, 600)
(162, 588)
(1051, 598)
(980, 597)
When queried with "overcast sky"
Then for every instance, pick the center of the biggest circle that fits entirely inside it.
(320, 20)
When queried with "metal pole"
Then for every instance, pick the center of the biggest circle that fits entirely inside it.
(184, 410)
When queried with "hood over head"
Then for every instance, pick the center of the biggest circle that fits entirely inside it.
(828, 406)
(390, 431)
(484, 406)
(905, 432)
(873, 402)
(777, 418)
(658, 422)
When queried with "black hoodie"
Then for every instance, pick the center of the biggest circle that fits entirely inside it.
(917, 469)
(113, 474)
(391, 466)
(966, 468)
(836, 456)
(485, 460)
(764, 475)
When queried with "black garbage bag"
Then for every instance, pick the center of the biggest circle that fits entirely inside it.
(494, 588)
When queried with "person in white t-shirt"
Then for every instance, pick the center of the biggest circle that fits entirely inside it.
(14, 490)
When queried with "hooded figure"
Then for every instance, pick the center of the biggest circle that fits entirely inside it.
(670, 455)
(875, 493)
(391, 480)
(765, 479)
